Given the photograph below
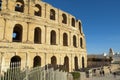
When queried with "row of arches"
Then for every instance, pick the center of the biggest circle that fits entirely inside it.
(38, 12)
(20, 7)
(16, 62)
(18, 30)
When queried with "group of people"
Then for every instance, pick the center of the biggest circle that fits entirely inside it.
(114, 73)
(102, 73)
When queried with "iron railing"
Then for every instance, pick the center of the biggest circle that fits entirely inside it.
(36, 73)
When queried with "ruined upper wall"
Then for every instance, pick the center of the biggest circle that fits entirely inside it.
(42, 10)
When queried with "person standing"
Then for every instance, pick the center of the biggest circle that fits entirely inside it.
(114, 74)
(103, 72)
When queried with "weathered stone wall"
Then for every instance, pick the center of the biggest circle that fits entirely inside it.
(27, 49)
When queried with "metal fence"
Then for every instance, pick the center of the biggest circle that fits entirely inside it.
(37, 73)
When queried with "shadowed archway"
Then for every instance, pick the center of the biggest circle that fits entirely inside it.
(19, 5)
(53, 61)
(17, 33)
(66, 63)
(37, 35)
(76, 62)
(37, 61)
(83, 62)
(15, 61)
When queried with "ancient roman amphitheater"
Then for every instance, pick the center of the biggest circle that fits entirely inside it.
(34, 33)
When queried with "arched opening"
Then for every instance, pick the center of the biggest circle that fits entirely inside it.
(74, 41)
(73, 22)
(65, 39)
(38, 10)
(66, 63)
(17, 33)
(64, 19)
(37, 61)
(15, 62)
(19, 6)
(80, 27)
(37, 35)
(81, 42)
(53, 37)
(52, 14)
(76, 62)
(0, 5)
(53, 61)
(15, 68)
(83, 64)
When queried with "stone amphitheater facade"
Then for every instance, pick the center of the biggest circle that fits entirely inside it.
(34, 33)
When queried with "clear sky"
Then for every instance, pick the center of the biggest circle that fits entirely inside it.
(100, 21)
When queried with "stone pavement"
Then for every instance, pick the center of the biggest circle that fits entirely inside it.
(106, 77)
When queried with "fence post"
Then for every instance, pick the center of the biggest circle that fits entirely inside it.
(53, 75)
(1, 64)
(44, 74)
(26, 73)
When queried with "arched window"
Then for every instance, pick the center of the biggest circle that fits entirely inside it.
(19, 6)
(64, 19)
(37, 35)
(0, 5)
(83, 64)
(52, 14)
(53, 37)
(53, 61)
(17, 33)
(73, 22)
(81, 42)
(65, 39)
(80, 27)
(74, 41)
(66, 63)
(76, 62)
(38, 10)
(37, 61)
(15, 62)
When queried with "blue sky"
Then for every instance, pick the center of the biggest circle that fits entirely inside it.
(100, 21)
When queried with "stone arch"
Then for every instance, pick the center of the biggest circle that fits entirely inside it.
(38, 10)
(37, 35)
(83, 62)
(53, 61)
(66, 63)
(19, 6)
(74, 41)
(65, 39)
(53, 37)
(73, 22)
(17, 33)
(37, 61)
(81, 42)
(15, 61)
(64, 19)
(52, 14)
(0, 5)
(76, 62)
(80, 27)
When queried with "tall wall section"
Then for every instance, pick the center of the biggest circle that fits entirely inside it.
(35, 33)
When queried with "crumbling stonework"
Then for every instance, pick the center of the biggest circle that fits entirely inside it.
(35, 33)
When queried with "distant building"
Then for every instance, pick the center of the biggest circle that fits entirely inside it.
(97, 61)
(103, 59)
(115, 57)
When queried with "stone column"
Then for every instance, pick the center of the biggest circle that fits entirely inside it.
(69, 38)
(1, 61)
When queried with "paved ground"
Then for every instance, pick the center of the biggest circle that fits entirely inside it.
(106, 77)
